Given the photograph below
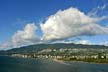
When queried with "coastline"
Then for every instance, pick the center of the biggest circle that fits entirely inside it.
(62, 61)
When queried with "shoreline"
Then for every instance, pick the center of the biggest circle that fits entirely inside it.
(62, 61)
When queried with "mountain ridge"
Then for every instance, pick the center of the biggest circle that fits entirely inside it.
(38, 47)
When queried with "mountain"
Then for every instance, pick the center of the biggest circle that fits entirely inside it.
(39, 47)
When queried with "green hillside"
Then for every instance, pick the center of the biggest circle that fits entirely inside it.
(38, 47)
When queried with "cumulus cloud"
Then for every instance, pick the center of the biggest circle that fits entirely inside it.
(70, 23)
(26, 36)
(64, 24)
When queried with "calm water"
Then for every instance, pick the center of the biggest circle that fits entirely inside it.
(10, 64)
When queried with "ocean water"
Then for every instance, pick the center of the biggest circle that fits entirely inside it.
(12, 64)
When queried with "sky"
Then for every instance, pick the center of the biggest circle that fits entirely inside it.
(25, 22)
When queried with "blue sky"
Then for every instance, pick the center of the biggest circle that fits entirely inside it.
(15, 14)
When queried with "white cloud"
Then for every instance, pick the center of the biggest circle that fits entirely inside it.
(99, 10)
(69, 23)
(25, 36)
(64, 24)
(62, 41)
(6, 45)
(104, 43)
(85, 42)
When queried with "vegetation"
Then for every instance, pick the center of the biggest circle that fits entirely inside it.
(38, 47)
(61, 51)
